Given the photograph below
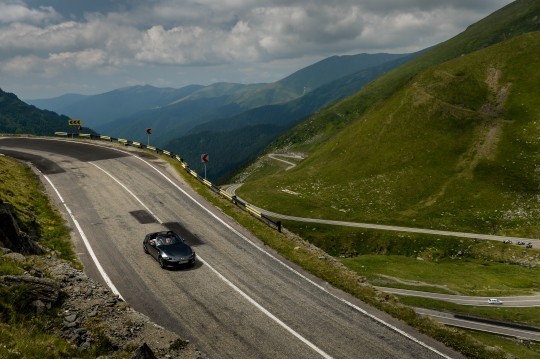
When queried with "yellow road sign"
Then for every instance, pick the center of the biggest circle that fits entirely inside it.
(75, 122)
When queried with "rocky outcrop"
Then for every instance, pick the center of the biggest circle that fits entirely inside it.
(91, 313)
(10, 234)
(39, 293)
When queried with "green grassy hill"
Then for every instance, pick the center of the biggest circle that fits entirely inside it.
(455, 146)
(17, 117)
(514, 19)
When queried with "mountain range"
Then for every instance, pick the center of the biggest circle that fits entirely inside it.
(219, 119)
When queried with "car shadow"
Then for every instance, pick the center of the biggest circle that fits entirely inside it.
(198, 264)
(191, 239)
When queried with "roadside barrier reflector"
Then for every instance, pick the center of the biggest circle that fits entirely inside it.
(61, 133)
(225, 194)
(84, 135)
(105, 137)
(257, 213)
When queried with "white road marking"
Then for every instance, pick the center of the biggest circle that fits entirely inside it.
(86, 242)
(266, 312)
(228, 282)
(129, 191)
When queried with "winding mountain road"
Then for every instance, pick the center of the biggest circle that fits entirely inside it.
(276, 156)
(521, 301)
(241, 300)
(535, 243)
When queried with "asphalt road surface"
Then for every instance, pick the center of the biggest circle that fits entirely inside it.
(240, 300)
(509, 301)
(493, 327)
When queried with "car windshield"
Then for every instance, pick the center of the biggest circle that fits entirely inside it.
(168, 239)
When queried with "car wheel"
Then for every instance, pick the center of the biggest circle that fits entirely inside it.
(145, 249)
(161, 262)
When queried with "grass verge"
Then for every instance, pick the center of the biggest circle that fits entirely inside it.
(427, 262)
(516, 347)
(458, 276)
(34, 212)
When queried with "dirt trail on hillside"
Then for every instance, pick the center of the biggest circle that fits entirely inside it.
(487, 140)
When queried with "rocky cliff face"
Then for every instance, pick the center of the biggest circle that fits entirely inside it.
(90, 313)
(11, 236)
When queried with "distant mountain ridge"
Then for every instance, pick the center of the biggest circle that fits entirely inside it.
(333, 68)
(96, 110)
(222, 111)
(131, 105)
(264, 124)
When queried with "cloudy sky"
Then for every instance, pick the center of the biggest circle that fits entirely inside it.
(52, 47)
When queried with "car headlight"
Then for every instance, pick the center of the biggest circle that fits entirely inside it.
(164, 256)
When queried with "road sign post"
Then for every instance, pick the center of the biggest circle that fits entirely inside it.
(74, 122)
(204, 160)
(148, 133)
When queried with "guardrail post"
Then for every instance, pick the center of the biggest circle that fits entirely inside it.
(278, 223)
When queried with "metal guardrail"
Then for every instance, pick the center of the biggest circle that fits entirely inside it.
(240, 204)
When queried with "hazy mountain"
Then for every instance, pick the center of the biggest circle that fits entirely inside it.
(180, 115)
(170, 121)
(333, 68)
(17, 117)
(266, 123)
(96, 110)
(448, 140)
(57, 104)
(172, 113)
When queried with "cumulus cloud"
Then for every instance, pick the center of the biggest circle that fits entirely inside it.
(11, 12)
(114, 35)
(55, 64)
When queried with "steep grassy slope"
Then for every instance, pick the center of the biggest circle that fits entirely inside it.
(514, 19)
(456, 148)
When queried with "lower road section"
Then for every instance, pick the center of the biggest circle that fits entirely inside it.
(472, 323)
(514, 301)
(240, 300)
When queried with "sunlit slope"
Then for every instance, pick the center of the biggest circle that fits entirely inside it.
(458, 147)
(519, 17)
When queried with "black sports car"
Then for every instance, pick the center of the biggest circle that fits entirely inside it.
(169, 249)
